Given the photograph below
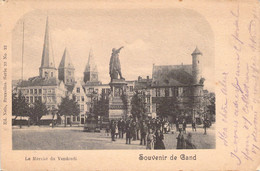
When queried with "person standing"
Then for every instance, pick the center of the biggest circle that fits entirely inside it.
(119, 124)
(133, 130)
(128, 132)
(116, 129)
(122, 128)
(177, 124)
(159, 144)
(180, 140)
(184, 126)
(150, 140)
(113, 130)
(144, 130)
(188, 142)
(194, 125)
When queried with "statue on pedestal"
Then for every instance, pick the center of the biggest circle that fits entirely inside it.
(114, 65)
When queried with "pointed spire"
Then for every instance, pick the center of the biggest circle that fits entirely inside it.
(91, 65)
(196, 51)
(66, 61)
(47, 56)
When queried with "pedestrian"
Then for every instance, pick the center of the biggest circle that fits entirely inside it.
(159, 140)
(138, 130)
(107, 130)
(128, 132)
(205, 126)
(180, 140)
(113, 130)
(150, 140)
(133, 130)
(177, 124)
(194, 125)
(188, 142)
(144, 130)
(184, 124)
(122, 128)
(119, 124)
(116, 130)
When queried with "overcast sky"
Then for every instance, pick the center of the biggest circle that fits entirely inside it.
(150, 36)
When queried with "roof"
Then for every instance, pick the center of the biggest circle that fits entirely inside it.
(70, 87)
(66, 61)
(196, 51)
(47, 55)
(39, 81)
(172, 75)
(91, 65)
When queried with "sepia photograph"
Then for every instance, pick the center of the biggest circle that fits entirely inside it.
(117, 79)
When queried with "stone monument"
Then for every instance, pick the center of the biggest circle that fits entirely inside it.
(117, 97)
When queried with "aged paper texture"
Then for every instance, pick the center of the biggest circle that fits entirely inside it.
(130, 85)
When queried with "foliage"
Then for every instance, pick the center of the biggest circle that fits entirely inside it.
(168, 106)
(68, 107)
(37, 111)
(101, 106)
(138, 106)
(19, 105)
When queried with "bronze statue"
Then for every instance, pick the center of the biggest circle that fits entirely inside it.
(114, 66)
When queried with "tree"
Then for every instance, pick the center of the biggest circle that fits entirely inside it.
(138, 106)
(19, 106)
(37, 111)
(68, 107)
(168, 106)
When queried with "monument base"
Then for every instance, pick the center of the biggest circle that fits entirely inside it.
(117, 108)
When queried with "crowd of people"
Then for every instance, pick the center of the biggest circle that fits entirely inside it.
(150, 132)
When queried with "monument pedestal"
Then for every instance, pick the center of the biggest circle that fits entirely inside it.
(117, 106)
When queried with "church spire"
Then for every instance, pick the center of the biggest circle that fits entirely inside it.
(66, 69)
(47, 64)
(91, 71)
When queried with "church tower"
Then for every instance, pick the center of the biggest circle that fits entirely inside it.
(91, 72)
(47, 69)
(196, 66)
(66, 69)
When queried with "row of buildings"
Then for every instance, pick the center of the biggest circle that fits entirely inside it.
(183, 82)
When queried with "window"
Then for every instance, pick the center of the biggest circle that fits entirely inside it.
(78, 89)
(74, 118)
(175, 92)
(31, 91)
(167, 93)
(103, 91)
(131, 88)
(78, 119)
(27, 99)
(148, 109)
(40, 91)
(78, 98)
(31, 99)
(82, 108)
(39, 98)
(51, 74)
(82, 98)
(44, 99)
(108, 90)
(49, 91)
(148, 100)
(91, 90)
(180, 91)
(157, 92)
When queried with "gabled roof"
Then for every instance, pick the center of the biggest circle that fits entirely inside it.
(172, 75)
(66, 61)
(39, 81)
(47, 55)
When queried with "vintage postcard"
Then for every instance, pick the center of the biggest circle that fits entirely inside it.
(130, 85)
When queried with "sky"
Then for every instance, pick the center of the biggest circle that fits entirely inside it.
(149, 36)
